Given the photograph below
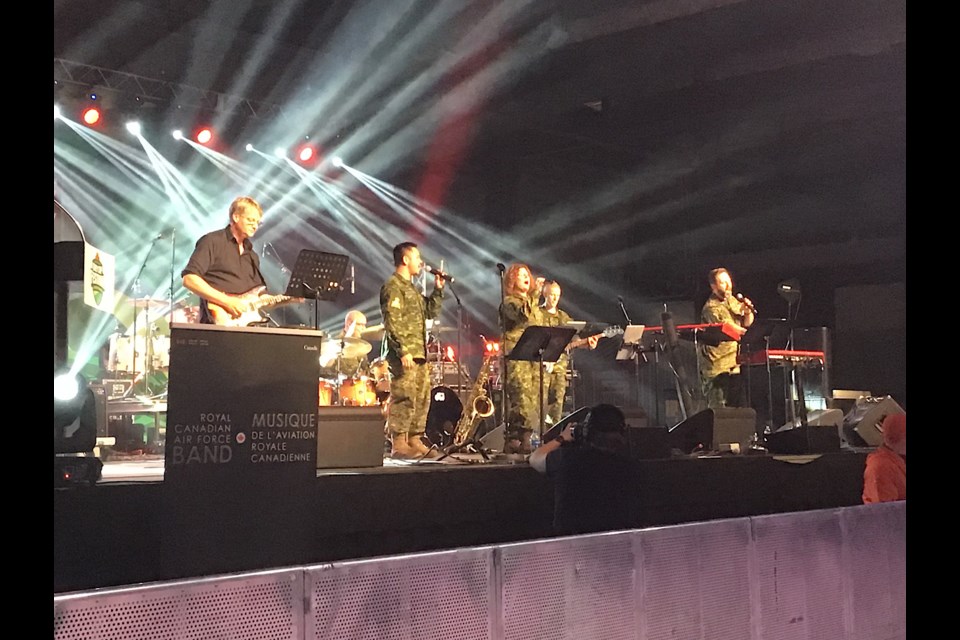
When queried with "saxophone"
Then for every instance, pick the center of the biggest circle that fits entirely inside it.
(478, 405)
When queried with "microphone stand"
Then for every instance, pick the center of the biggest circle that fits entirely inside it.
(173, 261)
(316, 305)
(283, 269)
(136, 293)
(636, 358)
(459, 341)
(504, 401)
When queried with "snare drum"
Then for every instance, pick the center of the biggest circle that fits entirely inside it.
(358, 392)
(325, 393)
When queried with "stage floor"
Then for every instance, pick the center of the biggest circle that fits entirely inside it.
(149, 467)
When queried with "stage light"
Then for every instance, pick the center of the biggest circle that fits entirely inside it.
(249, 147)
(134, 127)
(91, 116)
(337, 161)
(204, 136)
(76, 412)
(56, 112)
(306, 153)
(74, 423)
(66, 386)
(178, 135)
(450, 354)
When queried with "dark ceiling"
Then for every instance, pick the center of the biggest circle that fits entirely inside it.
(766, 135)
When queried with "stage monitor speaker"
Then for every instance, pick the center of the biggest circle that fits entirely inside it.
(814, 438)
(349, 437)
(649, 443)
(493, 439)
(861, 426)
(722, 429)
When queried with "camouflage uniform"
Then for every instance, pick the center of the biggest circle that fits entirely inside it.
(555, 376)
(405, 312)
(719, 371)
(523, 380)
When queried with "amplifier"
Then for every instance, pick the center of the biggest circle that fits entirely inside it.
(445, 373)
(116, 388)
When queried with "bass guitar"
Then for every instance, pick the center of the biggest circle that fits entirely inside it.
(253, 301)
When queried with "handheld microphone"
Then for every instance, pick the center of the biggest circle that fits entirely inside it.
(500, 267)
(748, 305)
(439, 273)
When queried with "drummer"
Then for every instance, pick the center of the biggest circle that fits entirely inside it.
(354, 324)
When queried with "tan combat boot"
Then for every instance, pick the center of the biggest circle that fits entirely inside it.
(512, 444)
(422, 451)
(401, 449)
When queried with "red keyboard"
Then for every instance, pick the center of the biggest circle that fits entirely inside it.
(777, 356)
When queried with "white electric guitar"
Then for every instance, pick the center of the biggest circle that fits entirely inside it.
(253, 301)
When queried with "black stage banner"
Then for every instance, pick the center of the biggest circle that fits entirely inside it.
(242, 402)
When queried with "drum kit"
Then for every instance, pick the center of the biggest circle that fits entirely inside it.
(356, 389)
(144, 348)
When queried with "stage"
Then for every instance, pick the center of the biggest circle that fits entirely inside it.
(131, 527)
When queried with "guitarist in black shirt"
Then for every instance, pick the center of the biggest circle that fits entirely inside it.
(224, 270)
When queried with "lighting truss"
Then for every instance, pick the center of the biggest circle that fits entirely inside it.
(67, 72)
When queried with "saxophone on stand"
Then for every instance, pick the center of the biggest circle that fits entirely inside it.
(478, 405)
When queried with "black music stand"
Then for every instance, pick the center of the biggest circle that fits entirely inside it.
(542, 344)
(318, 276)
(764, 334)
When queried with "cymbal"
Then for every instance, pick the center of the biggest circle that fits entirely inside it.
(374, 333)
(344, 347)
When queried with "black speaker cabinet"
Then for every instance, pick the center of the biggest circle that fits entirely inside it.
(350, 437)
(802, 440)
(723, 429)
(649, 443)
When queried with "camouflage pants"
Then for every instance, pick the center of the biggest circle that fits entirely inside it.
(723, 390)
(523, 394)
(555, 391)
(409, 398)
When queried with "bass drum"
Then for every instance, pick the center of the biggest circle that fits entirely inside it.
(443, 416)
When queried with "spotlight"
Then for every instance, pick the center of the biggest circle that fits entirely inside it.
(249, 147)
(178, 135)
(66, 386)
(75, 419)
(306, 153)
(450, 354)
(91, 116)
(56, 112)
(337, 161)
(134, 127)
(204, 136)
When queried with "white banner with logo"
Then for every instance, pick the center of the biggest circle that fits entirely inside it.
(99, 273)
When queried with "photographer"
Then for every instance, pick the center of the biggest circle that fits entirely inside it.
(593, 475)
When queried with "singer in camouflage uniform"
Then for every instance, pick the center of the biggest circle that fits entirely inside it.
(719, 370)
(519, 310)
(405, 312)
